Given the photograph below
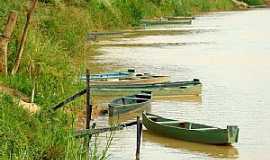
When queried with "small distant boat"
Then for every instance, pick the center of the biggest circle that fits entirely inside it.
(189, 131)
(158, 89)
(136, 79)
(110, 75)
(130, 103)
(179, 18)
(129, 77)
(164, 21)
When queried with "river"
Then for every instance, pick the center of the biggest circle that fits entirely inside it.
(230, 53)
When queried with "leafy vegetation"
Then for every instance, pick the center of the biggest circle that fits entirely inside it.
(38, 136)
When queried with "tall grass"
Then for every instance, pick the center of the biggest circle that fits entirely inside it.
(38, 136)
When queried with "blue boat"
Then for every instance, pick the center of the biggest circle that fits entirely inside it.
(110, 75)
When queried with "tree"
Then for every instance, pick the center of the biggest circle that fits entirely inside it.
(4, 40)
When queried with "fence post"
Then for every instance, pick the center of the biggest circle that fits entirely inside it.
(88, 109)
(88, 103)
(139, 133)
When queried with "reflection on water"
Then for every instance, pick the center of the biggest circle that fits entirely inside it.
(210, 150)
(130, 116)
(187, 98)
(101, 102)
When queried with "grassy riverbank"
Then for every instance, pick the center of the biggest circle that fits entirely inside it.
(55, 55)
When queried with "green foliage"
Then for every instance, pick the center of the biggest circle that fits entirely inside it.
(39, 136)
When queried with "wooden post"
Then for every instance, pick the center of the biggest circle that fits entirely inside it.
(88, 110)
(88, 103)
(139, 133)
(24, 37)
(4, 40)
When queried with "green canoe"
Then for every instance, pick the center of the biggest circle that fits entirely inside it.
(188, 131)
(158, 89)
(130, 103)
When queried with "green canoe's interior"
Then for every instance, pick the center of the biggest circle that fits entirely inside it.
(129, 100)
(184, 125)
(138, 98)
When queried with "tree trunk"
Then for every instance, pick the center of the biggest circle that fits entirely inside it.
(24, 36)
(4, 40)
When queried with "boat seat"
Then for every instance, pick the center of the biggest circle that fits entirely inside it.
(135, 98)
(201, 129)
(168, 122)
(143, 94)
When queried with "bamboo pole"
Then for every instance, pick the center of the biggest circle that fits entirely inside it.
(4, 40)
(24, 37)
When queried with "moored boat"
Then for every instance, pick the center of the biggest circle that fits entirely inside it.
(165, 21)
(129, 116)
(189, 131)
(137, 79)
(110, 75)
(180, 88)
(129, 77)
(130, 103)
(179, 18)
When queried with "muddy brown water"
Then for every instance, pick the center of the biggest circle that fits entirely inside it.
(230, 53)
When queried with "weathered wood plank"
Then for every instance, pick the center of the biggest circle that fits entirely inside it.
(86, 132)
(88, 105)
(69, 99)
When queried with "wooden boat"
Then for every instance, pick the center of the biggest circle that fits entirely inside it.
(136, 79)
(165, 21)
(129, 77)
(129, 116)
(110, 76)
(184, 88)
(129, 103)
(210, 150)
(189, 131)
(179, 18)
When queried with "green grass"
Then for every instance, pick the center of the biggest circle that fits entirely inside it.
(42, 135)
(38, 136)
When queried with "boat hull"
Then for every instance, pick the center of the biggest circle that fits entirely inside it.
(128, 108)
(130, 103)
(133, 80)
(215, 136)
(164, 22)
(159, 89)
